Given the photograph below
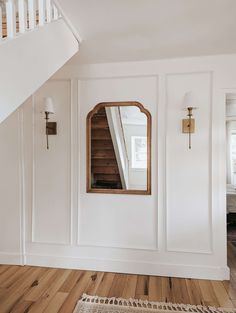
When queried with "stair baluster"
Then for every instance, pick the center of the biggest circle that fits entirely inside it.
(22, 9)
(49, 11)
(41, 10)
(11, 18)
(1, 23)
(31, 10)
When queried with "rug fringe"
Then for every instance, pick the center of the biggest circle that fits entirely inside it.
(138, 303)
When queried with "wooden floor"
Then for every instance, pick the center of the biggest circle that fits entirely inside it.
(36, 289)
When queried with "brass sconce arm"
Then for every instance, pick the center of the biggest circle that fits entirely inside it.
(51, 127)
(188, 125)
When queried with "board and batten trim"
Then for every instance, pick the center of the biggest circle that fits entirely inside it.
(81, 243)
(33, 240)
(192, 251)
(21, 183)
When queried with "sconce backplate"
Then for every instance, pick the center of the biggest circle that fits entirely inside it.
(51, 128)
(188, 126)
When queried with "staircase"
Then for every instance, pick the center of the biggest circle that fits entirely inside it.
(104, 167)
(36, 40)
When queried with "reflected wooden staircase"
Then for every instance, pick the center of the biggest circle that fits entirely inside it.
(104, 167)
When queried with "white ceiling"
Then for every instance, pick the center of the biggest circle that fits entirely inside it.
(133, 30)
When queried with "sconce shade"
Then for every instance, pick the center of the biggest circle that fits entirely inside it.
(188, 100)
(48, 105)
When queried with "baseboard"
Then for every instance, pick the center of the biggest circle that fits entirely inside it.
(11, 258)
(130, 267)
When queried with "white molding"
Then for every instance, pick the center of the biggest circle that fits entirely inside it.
(221, 199)
(71, 125)
(81, 243)
(21, 182)
(155, 152)
(33, 169)
(192, 251)
(100, 245)
(117, 77)
(210, 162)
(161, 165)
(130, 267)
(10, 258)
(71, 161)
(78, 162)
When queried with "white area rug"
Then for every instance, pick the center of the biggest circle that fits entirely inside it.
(94, 304)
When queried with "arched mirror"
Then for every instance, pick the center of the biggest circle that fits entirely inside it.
(119, 149)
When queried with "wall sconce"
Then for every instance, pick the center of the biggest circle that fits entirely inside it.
(188, 124)
(51, 127)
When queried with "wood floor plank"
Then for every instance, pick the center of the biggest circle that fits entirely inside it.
(155, 289)
(8, 274)
(3, 268)
(24, 306)
(180, 293)
(142, 287)
(207, 292)
(230, 287)
(194, 292)
(16, 291)
(44, 300)
(167, 289)
(176, 291)
(96, 279)
(56, 302)
(221, 294)
(105, 285)
(15, 276)
(118, 285)
(71, 281)
(76, 293)
(130, 286)
(41, 285)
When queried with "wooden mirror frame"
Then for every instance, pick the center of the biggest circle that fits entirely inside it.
(88, 150)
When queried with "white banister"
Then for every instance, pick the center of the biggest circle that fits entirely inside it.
(0, 23)
(31, 12)
(22, 16)
(119, 144)
(41, 10)
(11, 18)
(55, 13)
(49, 11)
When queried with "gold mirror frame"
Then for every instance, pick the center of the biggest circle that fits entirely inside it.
(88, 151)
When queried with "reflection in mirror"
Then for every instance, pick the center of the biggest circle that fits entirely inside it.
(118, 148)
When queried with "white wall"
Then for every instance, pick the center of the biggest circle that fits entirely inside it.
(179, 230)
(11, 189)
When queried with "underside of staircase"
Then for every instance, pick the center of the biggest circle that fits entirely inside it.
(34, 44)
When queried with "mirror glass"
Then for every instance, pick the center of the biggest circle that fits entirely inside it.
(119, 148)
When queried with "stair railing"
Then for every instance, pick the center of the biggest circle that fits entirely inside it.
(20, 16)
